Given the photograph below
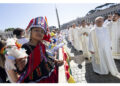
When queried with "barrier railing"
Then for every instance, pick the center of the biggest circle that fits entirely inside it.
(65, 74)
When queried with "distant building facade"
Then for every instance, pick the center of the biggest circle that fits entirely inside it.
(89, 18)
(104, 13)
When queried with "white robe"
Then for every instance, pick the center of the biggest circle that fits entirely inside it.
(102, 60)
(71, 35)
(114, 29)
(106, 22)
(85, 42)
(77, 39)
(79, 34)
(90, 26)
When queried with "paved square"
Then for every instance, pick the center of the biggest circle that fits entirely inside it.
(82, 69)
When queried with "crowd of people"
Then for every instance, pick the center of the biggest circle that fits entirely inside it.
(99, 42)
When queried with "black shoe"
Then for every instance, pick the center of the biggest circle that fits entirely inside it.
(96, 73)
(86, 58)
(75, 50)
(80, 66)
(76, 53)
(81, 52)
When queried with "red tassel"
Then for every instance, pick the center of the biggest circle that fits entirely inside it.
(66, 66)
(67, 74)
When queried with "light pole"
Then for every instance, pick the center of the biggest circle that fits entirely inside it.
(57, 17)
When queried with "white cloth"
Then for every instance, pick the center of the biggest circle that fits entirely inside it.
(114, 30)
(9, 66)
(102, 51)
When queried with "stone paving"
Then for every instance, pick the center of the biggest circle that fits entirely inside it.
(82, 69)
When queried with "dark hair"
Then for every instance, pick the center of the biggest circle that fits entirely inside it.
(31, 33)
(18, 31)
(32, 28)
(2, 57)
(82, 21)
(1, 45)
(117, 13)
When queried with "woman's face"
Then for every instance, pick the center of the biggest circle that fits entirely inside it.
(37, 33)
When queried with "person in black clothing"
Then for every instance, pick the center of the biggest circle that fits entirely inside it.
(3, 74)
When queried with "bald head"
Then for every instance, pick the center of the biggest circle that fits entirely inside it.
(99, 21)
(98, 18)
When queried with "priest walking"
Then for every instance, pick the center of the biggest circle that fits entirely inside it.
(100, 48)
(85, 39)
(114, 29)
(75, 38)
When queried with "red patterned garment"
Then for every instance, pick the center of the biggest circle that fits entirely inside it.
(40, 68)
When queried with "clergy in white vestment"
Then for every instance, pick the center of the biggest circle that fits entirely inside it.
(114, 29)
(85, 39)
(79, 38)
(76, 41)
(89, 25)
(70, 36)
(69, 33)
(100, 48)
(108, 20)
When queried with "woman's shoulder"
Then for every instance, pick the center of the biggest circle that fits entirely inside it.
(25, 45)
(28, 46)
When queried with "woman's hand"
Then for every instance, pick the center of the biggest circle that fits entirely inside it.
(13, 75)
(21, 63)
(59, 62)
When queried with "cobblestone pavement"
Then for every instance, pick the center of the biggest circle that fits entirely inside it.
(82, 69)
